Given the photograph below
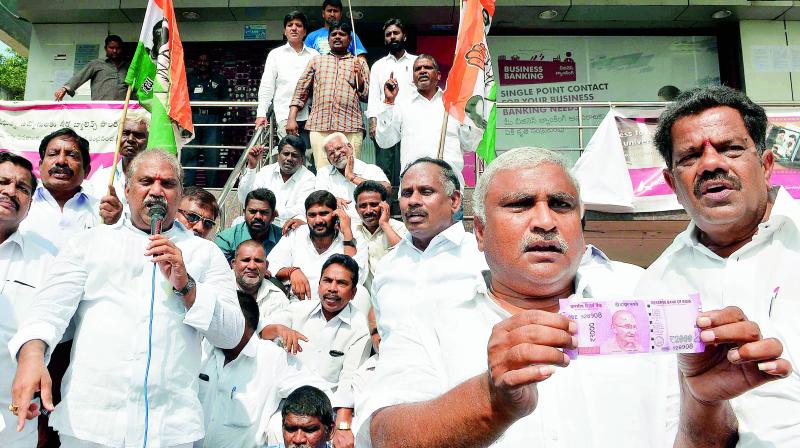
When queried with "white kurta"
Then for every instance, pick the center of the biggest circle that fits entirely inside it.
(761, 279)
(102, 280)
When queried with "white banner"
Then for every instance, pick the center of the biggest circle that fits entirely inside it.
(23, 125)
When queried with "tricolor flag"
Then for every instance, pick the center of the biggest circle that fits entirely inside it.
(468, 95)
(158, 75)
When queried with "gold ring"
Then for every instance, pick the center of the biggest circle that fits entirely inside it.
(13, 408)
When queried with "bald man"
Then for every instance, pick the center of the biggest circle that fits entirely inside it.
(625, 333)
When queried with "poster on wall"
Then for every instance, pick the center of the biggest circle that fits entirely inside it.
(588, 69)
(620, 171)
(23, 125)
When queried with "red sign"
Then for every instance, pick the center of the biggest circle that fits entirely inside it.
(516, 71)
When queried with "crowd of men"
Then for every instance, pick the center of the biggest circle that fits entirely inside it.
(319, 320)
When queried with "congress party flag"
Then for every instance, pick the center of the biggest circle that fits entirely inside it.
(158, 76)
(471, 79)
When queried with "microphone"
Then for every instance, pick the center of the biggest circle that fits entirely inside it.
(157, 213)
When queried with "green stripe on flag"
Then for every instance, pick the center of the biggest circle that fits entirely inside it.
(153, 97)
(486, 149)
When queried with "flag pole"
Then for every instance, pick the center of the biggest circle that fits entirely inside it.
(119, 136)
(355, 48)
(442, 135)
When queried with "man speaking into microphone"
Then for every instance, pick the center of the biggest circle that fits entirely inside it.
(105, 280)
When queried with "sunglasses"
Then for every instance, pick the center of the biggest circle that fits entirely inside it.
(193, 218)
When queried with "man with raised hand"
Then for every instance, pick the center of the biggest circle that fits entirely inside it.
(105, 281)
(287, 178)
(488, 369)
(742, 247)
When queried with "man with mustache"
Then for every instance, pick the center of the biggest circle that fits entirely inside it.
(108, 280)
(318, 39)
(259, 213)
(377, 228)
(240, 388)
(135, 134)
(337, 336)
(61, 207)
(307, 419)
(289, 179)
(415, 120)
(23, 265)
(250, 269)
(398, 65)
(346, 172)
(281, 72)
(299, 256)
(742, 247)
(198, 211)
(338, 82)
(488, 368)
(437, 258)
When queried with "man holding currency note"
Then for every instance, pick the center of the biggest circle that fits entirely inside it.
(432, 386)
(742, 247)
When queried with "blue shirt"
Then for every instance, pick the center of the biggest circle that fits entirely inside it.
(318, 40)
(229, 239)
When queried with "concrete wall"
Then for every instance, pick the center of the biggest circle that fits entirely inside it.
(763, 81)
(49, 40)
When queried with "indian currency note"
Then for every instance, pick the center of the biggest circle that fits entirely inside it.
(624, 327)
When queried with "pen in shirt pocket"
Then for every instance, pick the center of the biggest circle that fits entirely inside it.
(233, 391)
(772, 299)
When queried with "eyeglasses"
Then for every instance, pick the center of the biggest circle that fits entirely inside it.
(193, 218)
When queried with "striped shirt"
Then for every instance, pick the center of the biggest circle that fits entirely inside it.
(331, 80)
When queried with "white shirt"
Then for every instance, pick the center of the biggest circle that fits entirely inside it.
(296, 249)
(97, 186)
(377, 244)
(281, 72)
(408, 280)
(770, 414)
(53, 226)
(239, 398)
(330, 179)
(335, 348)
(403, 71)
(270, 299)
(290, 196)
(107, 294)
(23, 264)
(594, 402)
(416, 123)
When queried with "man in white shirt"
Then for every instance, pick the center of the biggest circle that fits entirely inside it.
(398, 64)
(307, 419)
(298, 257)
(111, 280)
(282, 70)
(416, 120)
(61, 207)
(742, 247)
(288, 178)
(135, 134)
(23, 264)
(377, 228)
(337, 336)
(437, 258)
(345, 173)
(250, 269)
(432, 386)
(242, 387)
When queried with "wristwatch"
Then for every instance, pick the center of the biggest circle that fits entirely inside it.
(350, 243)
(185, 290)
(343, 426)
